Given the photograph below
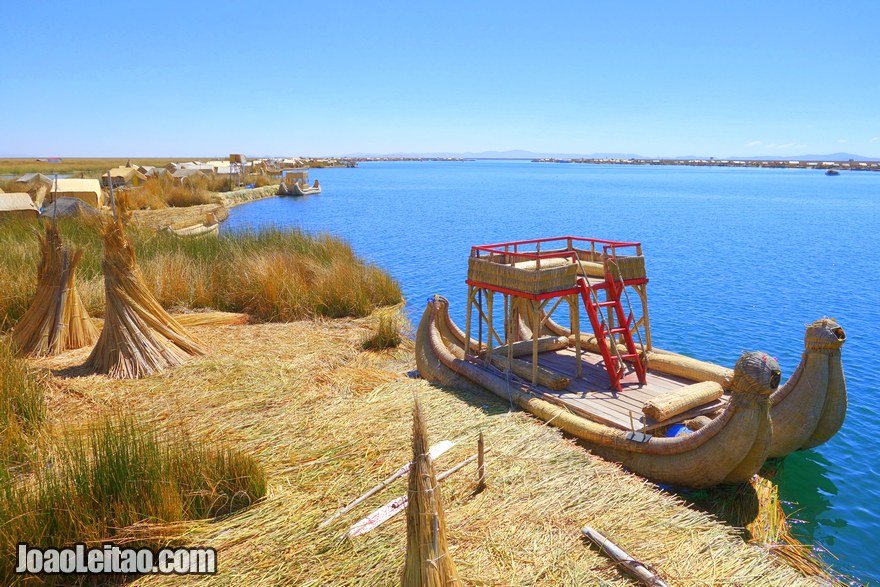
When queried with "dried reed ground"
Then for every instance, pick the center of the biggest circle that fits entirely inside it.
(329, 421)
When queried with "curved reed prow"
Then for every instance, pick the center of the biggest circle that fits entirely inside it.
(811, 407)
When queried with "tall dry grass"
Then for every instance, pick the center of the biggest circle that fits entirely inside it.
(122, 481)
(163, 191)
(274, 275)
(22, 409)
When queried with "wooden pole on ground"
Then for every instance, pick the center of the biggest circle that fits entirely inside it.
(632, 567)
(436, 450)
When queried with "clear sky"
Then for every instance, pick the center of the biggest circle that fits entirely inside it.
(322, 78)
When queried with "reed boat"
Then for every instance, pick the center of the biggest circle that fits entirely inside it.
(201, 229)
(299, 189)
(668, 417)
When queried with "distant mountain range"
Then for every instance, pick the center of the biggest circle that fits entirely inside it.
(521, 154)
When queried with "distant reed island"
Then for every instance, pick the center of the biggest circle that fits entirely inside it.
(851, 165)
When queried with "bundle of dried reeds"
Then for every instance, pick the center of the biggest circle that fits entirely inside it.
(427, 558)
(139, 337)
(56, 320)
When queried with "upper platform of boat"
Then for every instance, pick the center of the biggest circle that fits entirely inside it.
(550, 267)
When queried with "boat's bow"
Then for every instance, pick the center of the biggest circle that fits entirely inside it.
(810, 408)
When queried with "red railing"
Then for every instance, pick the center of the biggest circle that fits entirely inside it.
(566, 252)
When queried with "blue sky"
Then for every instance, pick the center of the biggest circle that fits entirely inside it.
(653, 78)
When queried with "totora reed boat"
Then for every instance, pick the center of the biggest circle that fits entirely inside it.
(299, 188)
(670, 418)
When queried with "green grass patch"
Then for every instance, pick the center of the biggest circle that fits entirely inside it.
(118, 479)
(22, 410)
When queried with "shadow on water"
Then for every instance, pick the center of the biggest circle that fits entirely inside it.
(806, 491)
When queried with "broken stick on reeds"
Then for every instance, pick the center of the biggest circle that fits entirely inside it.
(428, 563)
(57, 319)
(397, 505)
(139, 337)
(632, 567)
(436, 450)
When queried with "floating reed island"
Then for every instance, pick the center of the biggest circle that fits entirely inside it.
(670, 418)
(284, 400)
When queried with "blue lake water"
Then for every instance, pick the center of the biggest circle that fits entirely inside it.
(739, 259)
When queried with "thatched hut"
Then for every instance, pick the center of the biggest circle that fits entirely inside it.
(186, 174)
(27, 180)
(18, 206)
(123, 177)
(87, 190)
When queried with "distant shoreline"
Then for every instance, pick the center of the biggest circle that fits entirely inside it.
(851, 165)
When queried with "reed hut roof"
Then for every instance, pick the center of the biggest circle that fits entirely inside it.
(88, 190)
(34, 177)
(16, 202)
(126, 173)
(186, 172)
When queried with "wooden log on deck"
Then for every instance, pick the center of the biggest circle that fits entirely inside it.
(545, 377)
(524, 347)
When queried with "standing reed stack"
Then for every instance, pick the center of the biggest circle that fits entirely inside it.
(427, 558)
(57, 319)
(139, 337)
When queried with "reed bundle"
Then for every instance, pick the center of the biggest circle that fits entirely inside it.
(666, 406)
(139, 337)
(428, 563)
(57, 319)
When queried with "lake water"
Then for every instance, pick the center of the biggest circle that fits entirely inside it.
(739, 259)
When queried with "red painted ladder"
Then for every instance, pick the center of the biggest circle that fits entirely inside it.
(614, 361)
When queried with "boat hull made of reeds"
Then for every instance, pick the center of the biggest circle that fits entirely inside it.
(806, 411)
(730, 448)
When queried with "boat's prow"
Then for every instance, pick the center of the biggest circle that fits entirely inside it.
(806, 411)
(730, 448)
(811, 406)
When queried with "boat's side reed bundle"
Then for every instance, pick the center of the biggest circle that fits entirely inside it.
(139, 337)
(57, 319)
(428, 563)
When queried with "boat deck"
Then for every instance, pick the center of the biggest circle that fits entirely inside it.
(591, 396)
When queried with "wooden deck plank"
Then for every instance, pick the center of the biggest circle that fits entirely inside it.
(592, 397)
